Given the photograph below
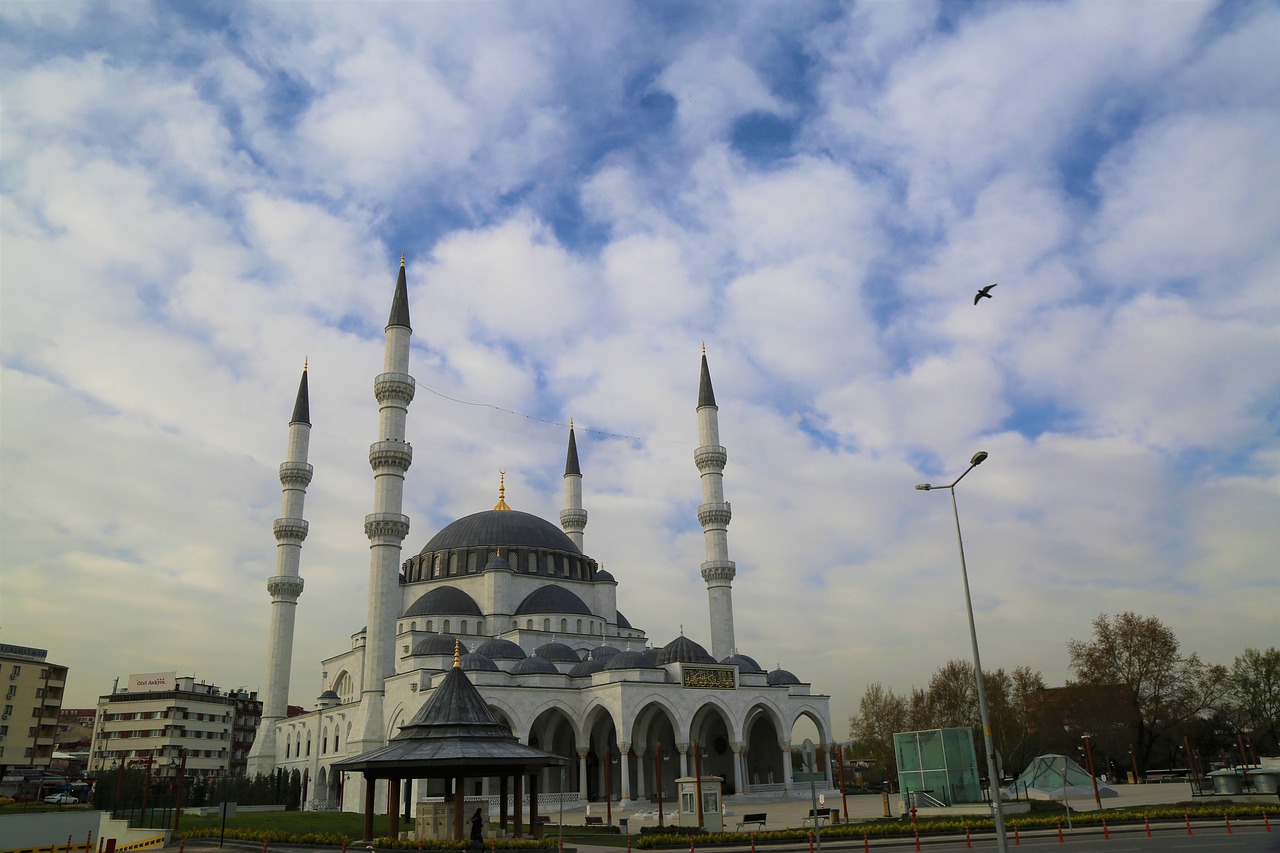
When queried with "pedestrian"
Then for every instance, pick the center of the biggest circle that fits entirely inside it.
(477, 831)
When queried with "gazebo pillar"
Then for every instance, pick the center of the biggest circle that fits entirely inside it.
(534, 829)
(393, 807)
(368, 808)
(519, 802)
(458, 790)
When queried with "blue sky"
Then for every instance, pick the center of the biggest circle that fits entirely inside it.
(197, 196)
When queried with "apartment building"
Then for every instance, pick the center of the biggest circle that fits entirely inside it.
(160, 719)
(32, 697)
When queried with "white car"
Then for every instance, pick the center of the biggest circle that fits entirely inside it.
(61, 800)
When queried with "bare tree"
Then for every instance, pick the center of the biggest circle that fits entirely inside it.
(1255, 691)
(881, 713)
(1166, 688)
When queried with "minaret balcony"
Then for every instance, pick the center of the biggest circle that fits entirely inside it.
(290, 529)
(715, 514)
(287, 587)
(710, 457)
(394, 386)
(391, 454)
(573, 519)
(722, 571)
(386, 524)
(295, 474)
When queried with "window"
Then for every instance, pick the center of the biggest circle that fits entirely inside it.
(39, 692)
(463, 629)
(44, 673)
(13, 691)
(31, 732)
(17, 670)
(4, 730)
(308, 744)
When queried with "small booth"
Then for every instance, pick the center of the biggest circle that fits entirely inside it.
(688, 789)
(1226, 782)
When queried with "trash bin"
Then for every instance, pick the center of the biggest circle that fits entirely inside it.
(622, 824)
(1225, 782)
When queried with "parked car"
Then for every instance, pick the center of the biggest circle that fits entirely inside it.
(61, 800)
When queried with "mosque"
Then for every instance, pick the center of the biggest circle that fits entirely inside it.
(541, 637)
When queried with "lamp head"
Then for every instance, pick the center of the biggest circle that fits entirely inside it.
(924, 487)
(978, 458)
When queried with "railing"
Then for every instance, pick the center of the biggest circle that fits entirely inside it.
(925, 799)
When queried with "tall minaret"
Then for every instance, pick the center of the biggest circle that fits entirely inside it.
(714, 515)
(386, 527)
(573, 518)
(285, 585)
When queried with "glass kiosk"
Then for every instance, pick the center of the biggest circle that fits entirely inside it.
(712, 813)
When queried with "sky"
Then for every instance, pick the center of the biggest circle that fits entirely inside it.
(199, 196)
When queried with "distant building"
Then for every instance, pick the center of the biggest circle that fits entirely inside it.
(32, 699)
(160, 717)
(75, 729)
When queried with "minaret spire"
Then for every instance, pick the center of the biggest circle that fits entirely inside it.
(714, 515)
(386, 527)
(573, 518)
(285, 586)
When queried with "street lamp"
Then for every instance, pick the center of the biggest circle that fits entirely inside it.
(993, 772)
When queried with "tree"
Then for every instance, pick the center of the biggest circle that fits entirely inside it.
(881, 712)
(1255, 691)
(1166, 689)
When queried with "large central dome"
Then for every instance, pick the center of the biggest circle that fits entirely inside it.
(502, 528)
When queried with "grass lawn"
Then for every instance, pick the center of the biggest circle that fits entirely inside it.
(350, 824)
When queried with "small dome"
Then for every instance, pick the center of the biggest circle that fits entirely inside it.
(534, 666)
(602, 575)
(438, 644)
(743, 663)
(557, 652)
(684, 650)
(329, 694)
(629, 660)
(582, 669)
(497, 563)
(652, 654)
(781, 678)
(602, 653)
(552, 599)
(622, 620)
(474, 662)
(444, 601)
(500, 649)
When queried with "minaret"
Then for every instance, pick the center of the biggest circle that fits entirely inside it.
(389, 456)
(285, 585)
(714, 515)
(573, 518)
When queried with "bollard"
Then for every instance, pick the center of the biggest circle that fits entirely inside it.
(628, 842)
(69, 841)
(1267, 821)
(811, 841)
(968, 842)
(1017, 839)
(691, 850)
(1188, 819)
(419, 845)
(1227, 818)
(88, 842)
(866, 842)
(264, 847)
(753, 842)
(917, 839)
(1061, 840)
(1105, 833)
(182, 847)
(344, 844)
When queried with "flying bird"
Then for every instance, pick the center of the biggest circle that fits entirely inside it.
(986, 291)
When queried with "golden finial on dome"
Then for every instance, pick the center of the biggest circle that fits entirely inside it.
(402, 259)
(457, 653)
(704, 349)
(304, 364)
(502, 491)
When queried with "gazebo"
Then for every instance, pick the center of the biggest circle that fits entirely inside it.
(455, 737)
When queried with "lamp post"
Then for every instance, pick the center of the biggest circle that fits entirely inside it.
(993, 772)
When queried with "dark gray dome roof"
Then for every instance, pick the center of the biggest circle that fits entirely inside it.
(497, 563)
(743, 663)
(603, 653)
(329, 694)
(534, 666)
(780, 678)
(474, 662)
(584, 668)
(500, 649)
(684, 650)
(652, 654)
(629, 660)
(501, 528)
(552, 599)
(602, 575)
(622, 620)
(438, 644)
(444, 601)
(557, 652)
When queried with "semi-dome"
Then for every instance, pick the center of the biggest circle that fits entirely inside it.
(781, 678)
(557, 653)
(602, 575)
(534, 666)
(500, 649)
(743, 663)
(444, 601)
(684, 650)
(622, 620)
(474, 662)
(439, 644)
(552, 599)
(629, 660)
(501, 528)
(584, 668)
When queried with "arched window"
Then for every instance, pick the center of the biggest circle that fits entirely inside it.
(308, 743)
(480, 627)
(529, 625)
(546, 625)
(413, 626)
(324, 742)
(288, 745)
(579, 626)
(463, 629)
(428, 627)
(335, 740)
(564, 626)
(446, 626)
